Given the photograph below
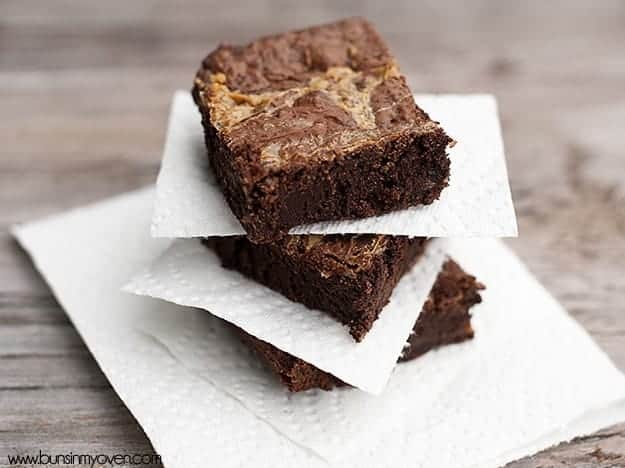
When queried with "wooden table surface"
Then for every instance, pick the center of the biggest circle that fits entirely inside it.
(84, 93)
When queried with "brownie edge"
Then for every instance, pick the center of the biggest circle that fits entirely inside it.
(444, 319)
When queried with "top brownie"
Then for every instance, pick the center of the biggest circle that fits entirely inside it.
(316, 125)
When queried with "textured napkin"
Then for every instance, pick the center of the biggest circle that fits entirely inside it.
(190, 274)
(531, 378)
(477, 203)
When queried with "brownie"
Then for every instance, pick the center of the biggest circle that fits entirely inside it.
(350, 277)
(316, 125)
(444, 319)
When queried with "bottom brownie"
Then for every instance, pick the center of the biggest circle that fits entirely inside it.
(444, 319)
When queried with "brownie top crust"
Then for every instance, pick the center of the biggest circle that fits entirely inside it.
(302, 97)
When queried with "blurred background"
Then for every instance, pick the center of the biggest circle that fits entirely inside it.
(84, 94)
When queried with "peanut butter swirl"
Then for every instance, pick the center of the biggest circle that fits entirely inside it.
(307, 96)
(335, 254)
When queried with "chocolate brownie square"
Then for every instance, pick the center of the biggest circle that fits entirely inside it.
(315, 125)
(350, 277)
(444, 319)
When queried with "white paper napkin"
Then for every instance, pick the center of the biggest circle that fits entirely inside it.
(531, 378)
(190, 274)
(477, 203)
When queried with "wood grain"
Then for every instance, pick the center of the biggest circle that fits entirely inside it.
(84, 93)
